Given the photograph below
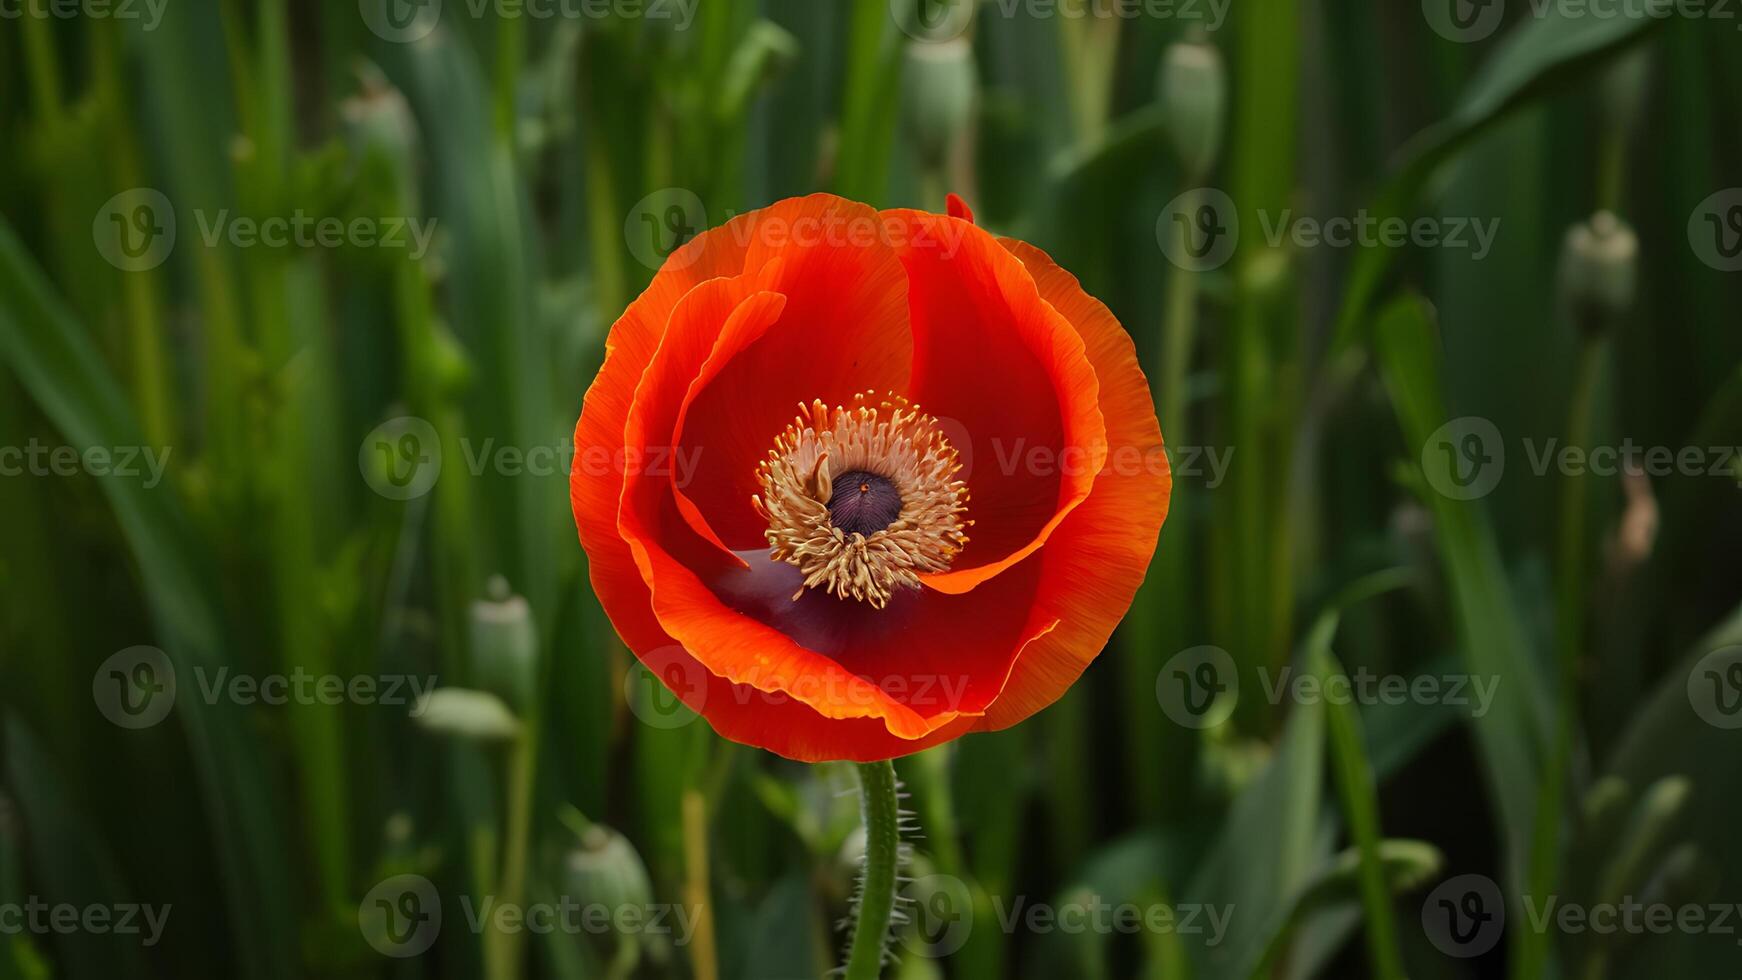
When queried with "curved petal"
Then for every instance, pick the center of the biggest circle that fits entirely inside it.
(672, 559)
(1008, 376)
(600, 462)
(1097, 557)
(844, 331)
(780, 723)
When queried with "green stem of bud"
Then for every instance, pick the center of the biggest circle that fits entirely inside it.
(880, 809)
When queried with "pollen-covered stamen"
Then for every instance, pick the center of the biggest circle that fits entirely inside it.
(863, 499)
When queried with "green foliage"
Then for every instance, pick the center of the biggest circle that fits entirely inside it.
(553, 163)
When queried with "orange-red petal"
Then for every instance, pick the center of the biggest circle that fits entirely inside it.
(1008, 376)
(1096, 559)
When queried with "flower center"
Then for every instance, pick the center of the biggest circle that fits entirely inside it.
(863, 503)
(863, 499)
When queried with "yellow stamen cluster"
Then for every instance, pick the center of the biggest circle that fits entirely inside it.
(883, 436)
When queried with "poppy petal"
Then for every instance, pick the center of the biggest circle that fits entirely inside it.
(600, 461)
(844, 331)
(1007, 375)
(1099, 554)
(668, 553)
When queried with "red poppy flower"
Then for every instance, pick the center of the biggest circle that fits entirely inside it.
(856, 482)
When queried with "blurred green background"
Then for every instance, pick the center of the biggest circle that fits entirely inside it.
(304, 469)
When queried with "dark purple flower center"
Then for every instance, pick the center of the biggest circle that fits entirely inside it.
(863, 503)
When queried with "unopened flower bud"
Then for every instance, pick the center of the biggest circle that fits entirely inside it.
(604, 871)
(1599, 271)
(1194, 92)
(940, 86)
(381, 132)
(505, 645)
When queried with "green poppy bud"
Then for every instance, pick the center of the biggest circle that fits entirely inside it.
(940, 86)
(1598, 271)
(381, 132)
(604, 871)
(505, 645)
(1194, 93)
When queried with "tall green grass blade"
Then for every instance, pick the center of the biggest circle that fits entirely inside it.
(1493, 641)
(1536, 58)
(55, 362)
